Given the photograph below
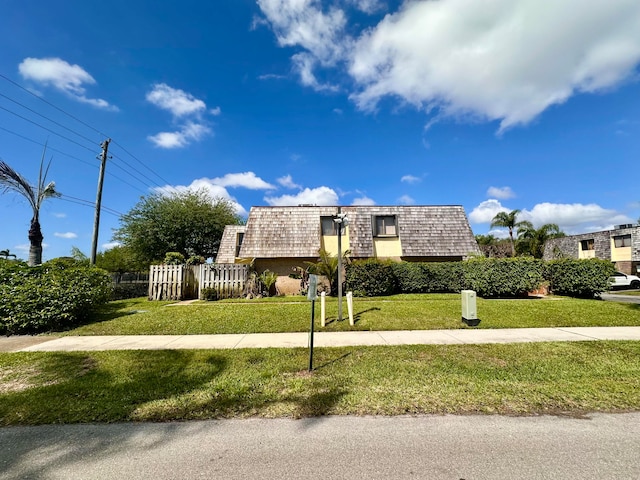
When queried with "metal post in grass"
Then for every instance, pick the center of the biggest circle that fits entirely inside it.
(312, 294)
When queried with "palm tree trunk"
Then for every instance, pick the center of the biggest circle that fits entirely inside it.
(35, 239)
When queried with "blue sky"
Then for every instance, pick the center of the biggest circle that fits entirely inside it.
(498, 105)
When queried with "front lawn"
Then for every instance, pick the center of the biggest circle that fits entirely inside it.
(400, 312)
(522, 379)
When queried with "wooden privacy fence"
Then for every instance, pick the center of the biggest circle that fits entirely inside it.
(228, 279)
(183, 282)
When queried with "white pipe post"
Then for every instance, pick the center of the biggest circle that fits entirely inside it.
(323, 311)
(350, 307)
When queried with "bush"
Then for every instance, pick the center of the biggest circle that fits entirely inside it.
(209, 294)
(371, 278)
(503, 277)
(429, 277)
(173, 258)
(579, 278)
(54, 296)
(123, 291)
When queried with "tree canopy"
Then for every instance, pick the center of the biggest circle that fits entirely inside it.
(188, 222)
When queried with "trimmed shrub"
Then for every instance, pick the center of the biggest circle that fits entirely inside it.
(579, 278)
(123, 291)
(503, 277)
(209, 294)
(54, 296)
(173, 258)
(370, 278)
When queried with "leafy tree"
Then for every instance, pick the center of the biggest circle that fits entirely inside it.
(120, 259)
(10, 180)
(188, 222)
(531, 240)
(507, 220)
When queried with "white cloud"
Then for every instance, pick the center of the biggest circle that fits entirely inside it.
(505, 61)
(502, 193)
(61, 75)
(363, 201)
(572, 218)
(406, 200)
(410, 179)
(110, 245)
(187, 111)
(65, 235)
(287, 182)
(485, 212)
(206, 184)
(368, 6)
(316, 196)
(180, 138)
(247, 180)
(60, 215)
(174, 100)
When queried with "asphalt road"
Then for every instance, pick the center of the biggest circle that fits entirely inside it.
(602, 446)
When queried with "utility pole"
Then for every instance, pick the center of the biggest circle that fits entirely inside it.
(339, 264)
(96, 222)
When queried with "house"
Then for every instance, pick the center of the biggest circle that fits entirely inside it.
(620, 245)
(281, 238)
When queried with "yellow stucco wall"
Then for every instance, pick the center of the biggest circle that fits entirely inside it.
(387, 247)
(586, 254)
(330, 242)
(620, 253)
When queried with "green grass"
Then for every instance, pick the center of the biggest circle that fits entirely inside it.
(522, 379)
(400, 312)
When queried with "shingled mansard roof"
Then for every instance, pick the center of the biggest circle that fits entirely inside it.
(424, 231)
(227, 249)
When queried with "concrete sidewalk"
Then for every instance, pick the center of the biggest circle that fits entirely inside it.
(321, 339)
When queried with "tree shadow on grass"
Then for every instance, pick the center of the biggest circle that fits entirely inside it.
(356, 316)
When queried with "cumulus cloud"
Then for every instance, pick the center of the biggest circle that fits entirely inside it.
(485, 212)
(505, 61)
(110, 245)
(572, 218)
(187, 112)
(180, 138)
(502, 193)
(406, 200)
(206, 184)
(61, 75)
(287, 182)
(368, 6)
(65, 235)
(363, 201)
(410, 179)
(308, 196)
(246, 180)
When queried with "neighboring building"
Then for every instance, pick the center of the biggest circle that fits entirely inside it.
(620, 245)
(280, 238)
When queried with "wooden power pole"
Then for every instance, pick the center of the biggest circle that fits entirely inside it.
(96, 222)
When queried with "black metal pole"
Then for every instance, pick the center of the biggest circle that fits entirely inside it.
(313, 307)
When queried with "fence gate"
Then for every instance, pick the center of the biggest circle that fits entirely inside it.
(227, 278)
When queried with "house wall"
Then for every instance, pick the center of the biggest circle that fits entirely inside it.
(387, 247)
(330, 242)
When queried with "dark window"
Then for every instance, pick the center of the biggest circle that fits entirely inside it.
(386, 226)
(239, 238)
(622, 241)
(587, 245)
(329, 227)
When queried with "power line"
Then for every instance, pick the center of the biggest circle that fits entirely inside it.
(74, 158)
(89, 203)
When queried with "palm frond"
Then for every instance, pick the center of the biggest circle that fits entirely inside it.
(10, 180)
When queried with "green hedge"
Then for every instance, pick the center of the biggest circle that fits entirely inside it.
(579, 278)
(54, 296)
(489, 277)
(503, 277)
(370, 278)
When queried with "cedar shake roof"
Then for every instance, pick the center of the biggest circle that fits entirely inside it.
(227, 248)
(424, 231)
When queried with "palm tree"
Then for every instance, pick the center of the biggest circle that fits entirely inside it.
(12, 180)
(532, 240)
(507, 220)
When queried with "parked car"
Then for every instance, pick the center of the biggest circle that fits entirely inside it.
(622, 280)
